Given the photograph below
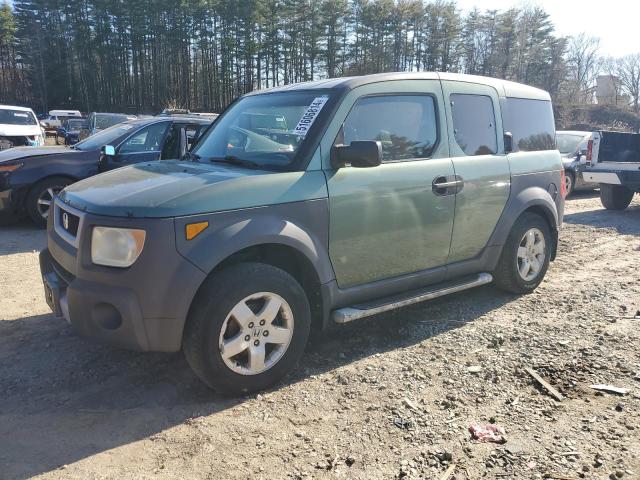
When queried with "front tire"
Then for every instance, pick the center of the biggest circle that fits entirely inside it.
(247, 328)
(40, 198)
(615, 197)
(525, 256)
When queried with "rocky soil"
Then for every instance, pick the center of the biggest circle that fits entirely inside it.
(392, 397)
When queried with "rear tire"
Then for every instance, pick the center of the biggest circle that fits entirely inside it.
(615, 197)
(40, 198)
(230, 313)
(525, 255)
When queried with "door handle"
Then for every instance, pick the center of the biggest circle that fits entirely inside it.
(447, 185)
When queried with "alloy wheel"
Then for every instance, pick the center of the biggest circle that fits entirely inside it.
(45, 199)
(531, 254)
(256, 333)
(568, 184)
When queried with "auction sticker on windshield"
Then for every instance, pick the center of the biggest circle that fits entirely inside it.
(310, 115)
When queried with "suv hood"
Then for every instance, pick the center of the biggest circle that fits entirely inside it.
(172, 188)
(18, 153)
(19, 130)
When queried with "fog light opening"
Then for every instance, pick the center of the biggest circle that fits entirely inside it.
(107, 316)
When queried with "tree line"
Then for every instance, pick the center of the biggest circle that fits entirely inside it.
(145, 55)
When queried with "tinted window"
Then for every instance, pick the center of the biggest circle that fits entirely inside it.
(404, 124)
(103, 121)
(531, 123)
(474, 124)
(148, 139)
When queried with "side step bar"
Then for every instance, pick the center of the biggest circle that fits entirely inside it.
(348, 314)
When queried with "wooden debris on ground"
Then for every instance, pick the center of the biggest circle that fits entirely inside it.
(546, 385)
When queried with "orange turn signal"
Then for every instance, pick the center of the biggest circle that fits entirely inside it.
(192, 230)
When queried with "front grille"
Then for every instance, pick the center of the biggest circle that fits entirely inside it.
(69, 222)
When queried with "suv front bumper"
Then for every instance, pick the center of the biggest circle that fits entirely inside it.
(143, 307)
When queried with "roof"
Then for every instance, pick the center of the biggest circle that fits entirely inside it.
(504, 87)
(13, 107)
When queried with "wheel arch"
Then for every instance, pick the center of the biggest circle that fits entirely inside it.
(48, 177)
(533, 200)
(295, 247)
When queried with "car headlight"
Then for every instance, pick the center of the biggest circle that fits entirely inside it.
(116, 247)
(10, 167)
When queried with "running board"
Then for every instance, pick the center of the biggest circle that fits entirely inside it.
(348, 314)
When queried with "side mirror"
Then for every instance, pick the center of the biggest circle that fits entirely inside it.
(360, 154)
(108, 150)
(508, 142)
(582, 159)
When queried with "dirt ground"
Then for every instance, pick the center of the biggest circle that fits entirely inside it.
(392, 397)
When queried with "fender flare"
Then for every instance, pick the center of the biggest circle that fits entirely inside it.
(253, 232)
(526, 199)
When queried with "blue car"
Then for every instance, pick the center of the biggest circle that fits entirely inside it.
(30, 177)
(67, 133)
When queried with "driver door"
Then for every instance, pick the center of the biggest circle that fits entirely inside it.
(143, 146)
(390, 220)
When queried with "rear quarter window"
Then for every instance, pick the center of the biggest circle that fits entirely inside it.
(531, 123)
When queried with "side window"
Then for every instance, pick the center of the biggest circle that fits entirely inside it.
(474, 124)
(406, 125)
(193, 133)
(531, 123)
(147, 139)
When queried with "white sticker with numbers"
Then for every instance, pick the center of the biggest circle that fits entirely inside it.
(310, 116)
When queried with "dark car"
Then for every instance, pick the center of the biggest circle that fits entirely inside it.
(572, 145)
(31, 176)
(68, 132)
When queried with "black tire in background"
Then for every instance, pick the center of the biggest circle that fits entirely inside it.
(41, 193)
(506, 275)
(570, 184)
(217, 297)
(615, 197)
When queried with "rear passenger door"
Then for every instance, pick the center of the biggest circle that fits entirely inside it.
(476, 142)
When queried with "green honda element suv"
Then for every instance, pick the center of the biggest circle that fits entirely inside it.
(306, 205)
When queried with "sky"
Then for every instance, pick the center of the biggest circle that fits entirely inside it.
(615, 22)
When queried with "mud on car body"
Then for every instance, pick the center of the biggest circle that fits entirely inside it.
(367, 194)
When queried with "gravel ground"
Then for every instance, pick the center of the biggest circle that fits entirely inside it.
(392, 397)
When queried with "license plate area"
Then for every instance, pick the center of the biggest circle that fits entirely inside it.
(52, 294)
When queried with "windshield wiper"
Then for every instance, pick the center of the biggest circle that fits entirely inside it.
(233, 160)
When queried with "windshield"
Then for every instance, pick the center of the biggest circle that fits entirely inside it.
(105, 121)
(17, 117)
(568, 143)
(264, 130)
(105, 137)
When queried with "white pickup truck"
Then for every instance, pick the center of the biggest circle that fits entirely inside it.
(613, 161)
